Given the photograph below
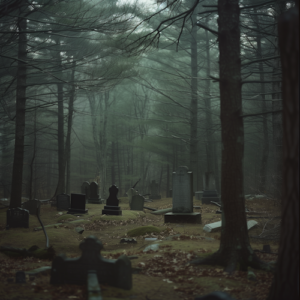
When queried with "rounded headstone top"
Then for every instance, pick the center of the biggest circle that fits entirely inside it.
(113, 199)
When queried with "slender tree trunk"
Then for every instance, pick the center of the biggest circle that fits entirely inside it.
(70, 122)
(30, 196)
(194, 100)
(60, 131)
(235, 247)
(277, 116)
(265, 152)
(286, 280)
(17, 174)
(168, 181)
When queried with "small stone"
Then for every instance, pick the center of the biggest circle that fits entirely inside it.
(251, 276)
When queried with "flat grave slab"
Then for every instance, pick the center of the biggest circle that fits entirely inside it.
(217, 225)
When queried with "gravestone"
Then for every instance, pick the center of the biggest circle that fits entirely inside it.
(209, 189)
(137, 202)
(198, 195)
(63, 202)
(154, 190)
(94, 191)
(77, 204)
(17, 217)
(32, 206)
(182, 210)
(114, 272)
(130, 193)
(112, 203)
(85, 189)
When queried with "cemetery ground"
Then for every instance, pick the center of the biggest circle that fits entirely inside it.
(160, 274)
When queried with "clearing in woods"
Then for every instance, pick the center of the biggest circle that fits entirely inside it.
(160, 274)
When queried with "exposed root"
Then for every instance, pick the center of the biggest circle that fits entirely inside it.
(234, 260)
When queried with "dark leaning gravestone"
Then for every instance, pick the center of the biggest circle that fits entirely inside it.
(63, 202)
(17, 217)
(114, 272)
(77, 204)
(112, 203)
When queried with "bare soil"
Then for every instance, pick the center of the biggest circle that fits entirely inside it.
(163, 274)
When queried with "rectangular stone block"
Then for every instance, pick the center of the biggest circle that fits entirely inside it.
(182, 218)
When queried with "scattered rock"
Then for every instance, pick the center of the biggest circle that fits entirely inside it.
(79, 230)
(153, 247)
(128, 240)
(251, 275)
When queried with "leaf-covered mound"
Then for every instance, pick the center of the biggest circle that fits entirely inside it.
(143, 230)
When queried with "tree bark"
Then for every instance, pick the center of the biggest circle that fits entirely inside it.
(61, 186)
(194, 100)
(286, 280)
(265, 151)
(235, 249)
(17, 173)
(70, 122)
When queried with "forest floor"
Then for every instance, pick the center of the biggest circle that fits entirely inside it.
(164, 274)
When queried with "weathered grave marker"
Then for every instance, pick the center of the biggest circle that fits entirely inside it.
(75, 270)
(17, 217)
(94, 191)
(198, 195)
(85, 189)
(112, 203)
(182, 211)
(130, 193)
(209, 189)
(63, 202)
(137, 202)
(77, 204)
(154, 190)
(32, 206)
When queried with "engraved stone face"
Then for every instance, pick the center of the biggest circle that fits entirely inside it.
(182, 191)
(17, 217)
(112, 200)
(85, 189)
(94, 190)
(77, 201)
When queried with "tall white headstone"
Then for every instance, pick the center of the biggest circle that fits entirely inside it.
(182, 191)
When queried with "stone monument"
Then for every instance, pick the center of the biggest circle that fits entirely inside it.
(77, 204)
(85, 189)
(112, 203)
(94, 194)
(17, 217)
(209, 189)
(130, 193)
(137, 202)
(114, 272)
(182, 210)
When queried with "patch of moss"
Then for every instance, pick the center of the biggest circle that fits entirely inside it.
(143, 230)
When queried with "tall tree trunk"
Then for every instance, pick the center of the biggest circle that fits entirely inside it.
(70, 121)
(17, 173)
(194, 99)
(286, 280)
(30, 196)
(235, 247)
(277, 116)
(60, 130)
(265, 150)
